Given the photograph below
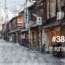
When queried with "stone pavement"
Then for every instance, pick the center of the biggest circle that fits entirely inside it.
(14, 54)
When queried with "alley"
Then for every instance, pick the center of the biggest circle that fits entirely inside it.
(14, 54)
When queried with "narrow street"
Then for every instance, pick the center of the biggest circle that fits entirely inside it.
(14, 54)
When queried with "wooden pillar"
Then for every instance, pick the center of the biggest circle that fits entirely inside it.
(30, 38)
(40, 37)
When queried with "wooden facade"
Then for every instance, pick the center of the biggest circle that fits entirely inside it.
(15, 25)
(48, 10)
(3, 30)
(53, 32)
(24, 38)
(34, 39)
(20, 21)
(52, 26)
(38, 10)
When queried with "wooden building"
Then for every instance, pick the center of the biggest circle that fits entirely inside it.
(45, 22)
(24, 37)
(15, 25)
(24, 32)
(38, 10)
(3, 31)
(55, 20)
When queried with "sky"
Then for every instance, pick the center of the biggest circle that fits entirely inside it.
(11, 4)
(12, 7)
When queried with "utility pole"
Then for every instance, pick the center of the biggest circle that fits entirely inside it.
(26, 14)
(27, 21)
(5, 8)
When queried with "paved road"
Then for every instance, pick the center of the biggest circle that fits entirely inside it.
(14, 54)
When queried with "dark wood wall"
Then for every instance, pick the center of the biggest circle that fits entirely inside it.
(39, 8)
(47, 8)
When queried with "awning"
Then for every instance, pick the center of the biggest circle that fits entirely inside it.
(13, 31)
(33, 26)
(24, 30)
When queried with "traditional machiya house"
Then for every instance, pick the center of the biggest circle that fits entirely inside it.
(3, 31)
(15, 25)
(9, 33)
(24, 32)
(24, 37)
(7, 30)
(55, 21)
(12, 30)
(20, 25)
(37, 18)
(46, 22)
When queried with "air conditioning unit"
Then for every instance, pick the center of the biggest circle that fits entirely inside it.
(60, 15)
(39, 21)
